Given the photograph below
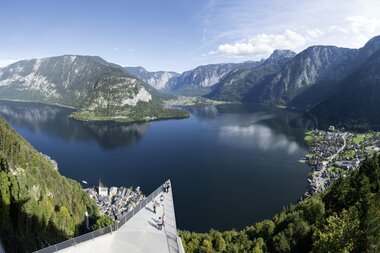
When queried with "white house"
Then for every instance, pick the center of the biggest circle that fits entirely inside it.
(113, 191)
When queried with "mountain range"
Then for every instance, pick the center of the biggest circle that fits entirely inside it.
(195, 82)
(235, 85)
(355, 103)
(97, 89)
(160, 80)
(338, 86)
(323, 80)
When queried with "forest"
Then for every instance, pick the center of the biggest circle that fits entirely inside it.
(38, 206)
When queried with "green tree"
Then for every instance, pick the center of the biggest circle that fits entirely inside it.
(5, 200)
(339, 234)
(102, 222)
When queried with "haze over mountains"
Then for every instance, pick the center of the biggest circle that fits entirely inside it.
(323, 79)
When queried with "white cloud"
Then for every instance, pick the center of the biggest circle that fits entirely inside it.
(262, 44)
(256, 135)
(316, 33)
(363, 25)
(357, 25)
(351, 31)
(337, 29)
(249, 30)
(355, 31)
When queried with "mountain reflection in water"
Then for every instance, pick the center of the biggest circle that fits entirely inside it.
(55, 121)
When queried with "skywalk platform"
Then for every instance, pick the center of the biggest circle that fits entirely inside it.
(139, 234)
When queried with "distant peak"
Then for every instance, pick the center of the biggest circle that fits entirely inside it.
(374, 39)
(279, 54)
(373, 43)
(141, 69)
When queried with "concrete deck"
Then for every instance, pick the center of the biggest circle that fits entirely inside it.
(139, 234)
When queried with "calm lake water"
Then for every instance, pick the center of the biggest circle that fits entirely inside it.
(230, 165)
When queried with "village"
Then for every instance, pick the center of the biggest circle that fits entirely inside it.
(334, 153)
(114, 201)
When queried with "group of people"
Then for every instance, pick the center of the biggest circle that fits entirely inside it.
(158, 204)
(161, 222)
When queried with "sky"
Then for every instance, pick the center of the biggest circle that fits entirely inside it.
(179, 35)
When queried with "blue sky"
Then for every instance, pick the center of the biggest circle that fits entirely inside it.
(180, 34)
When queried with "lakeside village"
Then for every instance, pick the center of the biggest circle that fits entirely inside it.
(334, 153)
(114, 201)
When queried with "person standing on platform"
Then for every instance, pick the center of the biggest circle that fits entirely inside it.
(162, 200)
(159, 224)
(154, 206)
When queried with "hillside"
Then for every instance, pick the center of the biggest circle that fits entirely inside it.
(199, 81)
(343, 218)
(356, 102)
(235, 85)
(97, 89)
(315, 66)
(159, 80)
(38, 206)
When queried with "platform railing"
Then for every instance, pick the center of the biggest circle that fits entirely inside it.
(103, 231)
(2, 250)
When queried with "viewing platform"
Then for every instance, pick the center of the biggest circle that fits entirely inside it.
(136, 233)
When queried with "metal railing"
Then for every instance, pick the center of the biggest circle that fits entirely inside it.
(2, 250)
(173, 240)
(107, 230)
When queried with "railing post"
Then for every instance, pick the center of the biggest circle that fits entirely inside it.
(2, 250)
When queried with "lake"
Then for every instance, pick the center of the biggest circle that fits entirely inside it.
(230, 165)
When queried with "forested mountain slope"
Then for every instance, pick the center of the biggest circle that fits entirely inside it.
(38, 206)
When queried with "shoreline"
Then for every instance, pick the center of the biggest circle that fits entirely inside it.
(96, 119)
(195, 101)
(124, 119)
(38, 102)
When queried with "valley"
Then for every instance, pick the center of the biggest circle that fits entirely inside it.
(321, 80)
(318, 80)
(217, 126)
(242, 127)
